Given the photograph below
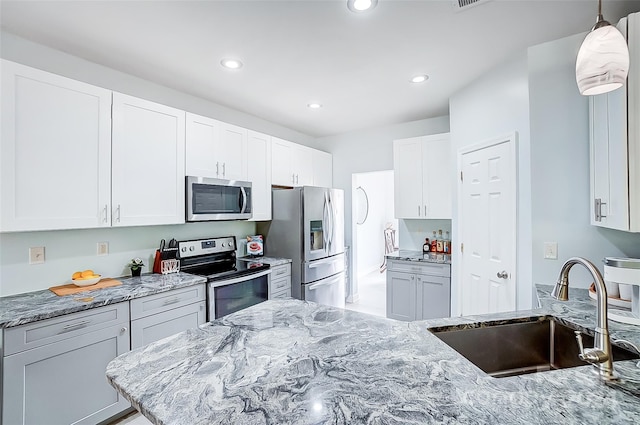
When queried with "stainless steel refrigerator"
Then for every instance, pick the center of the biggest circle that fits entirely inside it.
(308, 226)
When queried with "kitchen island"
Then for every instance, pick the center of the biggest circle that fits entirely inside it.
(292, 362)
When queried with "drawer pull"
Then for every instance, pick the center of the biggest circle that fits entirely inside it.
(74, 326)
(171, 301)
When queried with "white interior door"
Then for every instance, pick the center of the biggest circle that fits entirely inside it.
(487, 214)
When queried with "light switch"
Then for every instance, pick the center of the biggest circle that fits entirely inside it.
(36, 255)
(551, 250)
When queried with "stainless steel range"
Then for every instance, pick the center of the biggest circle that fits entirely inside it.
(231, 284)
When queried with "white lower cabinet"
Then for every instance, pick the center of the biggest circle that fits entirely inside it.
(280, 281)
(56, 374)
(418, 291)
(159, 316)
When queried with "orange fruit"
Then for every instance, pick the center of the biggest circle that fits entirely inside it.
(87, 273)
(76, 275)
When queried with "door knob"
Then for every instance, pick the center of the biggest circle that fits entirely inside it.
(503, 274)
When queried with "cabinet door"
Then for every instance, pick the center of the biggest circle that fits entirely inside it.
(64, 382)
(259, 174)
(281, 162)
(609, 178)
(433, 297)
(161, 325)
(55, 152)
(437, 175)
(322, 169)
(233, 146)
(401, 296)
(407, 170)
(148, 163)
(303, 165)
(202, 147)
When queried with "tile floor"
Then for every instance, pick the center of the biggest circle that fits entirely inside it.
(373, 294)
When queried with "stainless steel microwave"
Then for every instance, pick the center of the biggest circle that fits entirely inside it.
(216, 199)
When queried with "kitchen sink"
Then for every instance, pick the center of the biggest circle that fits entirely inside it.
(518, 348)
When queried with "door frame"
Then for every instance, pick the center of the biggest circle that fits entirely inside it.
(512, 140)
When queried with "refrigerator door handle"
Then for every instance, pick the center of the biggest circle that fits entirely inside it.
(331, 216)
(318, 263)
(323, 283)
(325, 223)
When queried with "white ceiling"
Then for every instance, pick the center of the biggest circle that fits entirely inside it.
(298, 51)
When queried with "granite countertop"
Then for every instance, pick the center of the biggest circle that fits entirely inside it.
(29, 307)
(272, 261)
(431, 257)
(295, 362)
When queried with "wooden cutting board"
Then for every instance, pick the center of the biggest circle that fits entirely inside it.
(69, 289)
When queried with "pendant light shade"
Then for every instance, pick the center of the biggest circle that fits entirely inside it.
(603, 59)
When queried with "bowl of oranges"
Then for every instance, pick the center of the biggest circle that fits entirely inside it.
(85, 278)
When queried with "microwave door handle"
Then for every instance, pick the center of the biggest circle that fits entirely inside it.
(243, 200)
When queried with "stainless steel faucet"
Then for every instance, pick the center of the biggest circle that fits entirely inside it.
(600, 355)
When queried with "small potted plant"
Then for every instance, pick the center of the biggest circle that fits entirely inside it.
(136, 266)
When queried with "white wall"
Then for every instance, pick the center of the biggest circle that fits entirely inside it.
(494, 105)
(560, 168)
(369, 247)
(370, 150)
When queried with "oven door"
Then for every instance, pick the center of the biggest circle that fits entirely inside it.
(216, 199)
(230, 295)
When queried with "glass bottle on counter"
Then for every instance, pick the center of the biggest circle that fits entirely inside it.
(440, 243)
(447, 244)
(426, 247)
(434, 242)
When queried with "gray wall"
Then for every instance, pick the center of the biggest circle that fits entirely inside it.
(560, 168)
(494, 105)
(370, 150)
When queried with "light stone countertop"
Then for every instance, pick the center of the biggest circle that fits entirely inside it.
(272, 261)
(295, 362)
(419, 256)
(29, 307)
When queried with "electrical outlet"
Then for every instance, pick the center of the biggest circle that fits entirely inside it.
(551, 250)
(103, 248)
(36, 255)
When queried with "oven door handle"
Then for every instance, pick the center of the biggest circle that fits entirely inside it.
(244, 278)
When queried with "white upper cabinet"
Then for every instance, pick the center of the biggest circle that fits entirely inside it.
(302, 165)
(422, 177)
(322, 169)
(259, 174)
(148, 145)
(215, 149)
(55, 152)
(281, 163)
(615, 145)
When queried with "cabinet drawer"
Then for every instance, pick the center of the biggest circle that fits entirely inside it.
(48, 331)
(145, 306)
(162, 325)
(285, 293)
(279, 271)
(278, 285)
(431, 269)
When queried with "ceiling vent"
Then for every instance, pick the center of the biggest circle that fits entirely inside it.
(459, 5)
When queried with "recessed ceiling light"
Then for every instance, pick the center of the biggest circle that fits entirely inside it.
(231, 63)
(361, 5)
(314, 105)
(419, 78)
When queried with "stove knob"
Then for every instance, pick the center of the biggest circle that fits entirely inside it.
(184, 249)
(192, 248)
(223, 244)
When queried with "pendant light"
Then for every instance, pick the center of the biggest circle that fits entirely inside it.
(603, 59)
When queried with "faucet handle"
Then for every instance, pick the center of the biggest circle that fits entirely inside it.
(591, 355)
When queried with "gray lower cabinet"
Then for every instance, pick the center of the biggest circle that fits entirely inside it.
(158, 316)
(280, 281)
(53, 370)
(418, 291)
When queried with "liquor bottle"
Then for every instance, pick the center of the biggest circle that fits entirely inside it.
(447, 244)
(426, 247)
(434, 242)
(439, 244)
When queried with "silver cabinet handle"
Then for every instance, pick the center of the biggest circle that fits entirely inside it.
(105, 214)
(217, 168)
(297, 178)
(503, 274)
(418, 210)
(598, 209)
(118, 214)
(74, 326)
(425, 210)
(171, 301)
(293, 178)
(224, 169)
